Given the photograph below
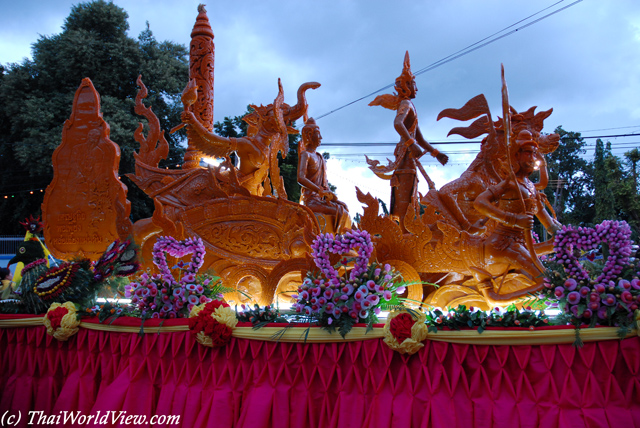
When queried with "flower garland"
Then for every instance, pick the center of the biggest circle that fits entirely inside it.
(178, 249)
(33, 264)
(162, 295)
(61, 321)
(463, 317)
(405, 331)
(338, 302)
(212, 323)
(615, 234)
(119, 259)
(594, 292)
(342, 244)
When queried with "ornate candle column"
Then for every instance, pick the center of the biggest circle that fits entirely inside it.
(201, 65)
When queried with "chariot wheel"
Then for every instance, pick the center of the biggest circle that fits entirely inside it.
(284, 280)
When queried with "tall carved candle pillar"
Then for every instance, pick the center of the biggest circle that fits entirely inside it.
(201, 65)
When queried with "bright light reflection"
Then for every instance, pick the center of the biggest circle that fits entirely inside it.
(112, 300)
(212, 161)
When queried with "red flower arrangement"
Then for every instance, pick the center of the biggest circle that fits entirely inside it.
(400, 327)
(212, 323)
(405, 331)
(55, 316)
(62, 320)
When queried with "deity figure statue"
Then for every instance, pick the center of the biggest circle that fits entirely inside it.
(266, 136)
(511, 206)
(312, 176)
(404, 180)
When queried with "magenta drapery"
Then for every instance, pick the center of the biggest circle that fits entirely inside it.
(263, 384)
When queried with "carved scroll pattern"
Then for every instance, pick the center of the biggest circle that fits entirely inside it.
(247, 238)
(154, 147)
(201, 68)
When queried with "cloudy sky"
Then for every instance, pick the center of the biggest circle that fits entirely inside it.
(584, 61)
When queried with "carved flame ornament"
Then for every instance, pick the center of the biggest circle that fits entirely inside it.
(85, 206)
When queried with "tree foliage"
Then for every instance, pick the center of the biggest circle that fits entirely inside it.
(604, 200)
(588, 192)
(571, 186)
(36, 97)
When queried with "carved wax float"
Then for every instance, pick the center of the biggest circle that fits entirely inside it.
(445, 244)
(85, 206)
(256, 239)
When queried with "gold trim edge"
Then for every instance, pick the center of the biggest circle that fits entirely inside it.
(317, 335)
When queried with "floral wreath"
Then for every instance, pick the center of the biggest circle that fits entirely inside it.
(62, 321)
(405, 331)
(212, 323)
(178, 249)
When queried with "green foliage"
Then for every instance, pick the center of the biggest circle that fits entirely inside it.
(232, 127)
(616, 186)
(461, 317)
(571, 192)
(36, 97)
(585, 193)
(259, 317)
(604, 198)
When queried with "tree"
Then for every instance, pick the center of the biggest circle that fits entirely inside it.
(633, 157)
(571, 188)
(602, 180)
(36, 98)
(615, 187)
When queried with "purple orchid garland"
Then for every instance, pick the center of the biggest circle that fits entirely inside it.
(583, 297)
(330, 296)
(161, 295)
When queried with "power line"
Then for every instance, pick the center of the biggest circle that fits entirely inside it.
(471, 48)
(610, 129)
(391, 144)
(565, 137)
(438, 63)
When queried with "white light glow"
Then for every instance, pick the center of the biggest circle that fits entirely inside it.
(111, 300)
(212, 161)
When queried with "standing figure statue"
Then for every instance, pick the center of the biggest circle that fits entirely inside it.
(312, 176)
(503, 203)
(404, 180)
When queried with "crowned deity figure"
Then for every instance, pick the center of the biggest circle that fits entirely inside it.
(312, 176)
(412, 145)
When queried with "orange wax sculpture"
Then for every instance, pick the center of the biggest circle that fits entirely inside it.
(472, 238)
(85, 206)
